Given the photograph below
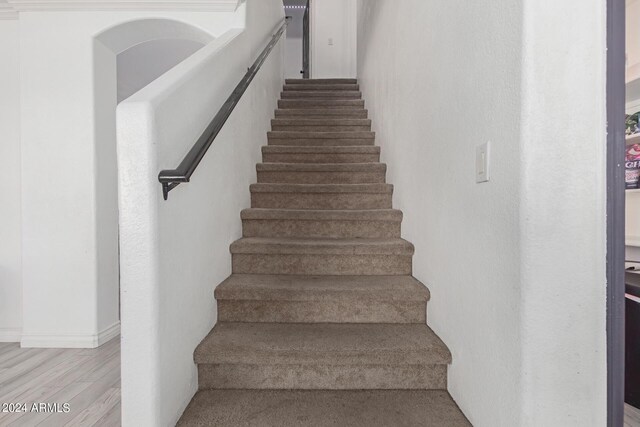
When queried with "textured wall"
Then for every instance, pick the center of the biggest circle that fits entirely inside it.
(335, 20)
(10, 224)
(515, 265)
(174, 253)
(69, 191)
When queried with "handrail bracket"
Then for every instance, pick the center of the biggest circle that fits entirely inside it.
(168, 186)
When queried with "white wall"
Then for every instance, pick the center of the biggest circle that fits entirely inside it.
(145, 62)
(335, 20)
(10, 214)
(174, 253)
(632, 227)
(293, 42)
(293, 58)
(633, 34)
(70, 258)
(515, 265)
(633, 56)
(562, 214)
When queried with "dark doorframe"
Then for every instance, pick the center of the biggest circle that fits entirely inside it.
(615, 210)
(305, 42)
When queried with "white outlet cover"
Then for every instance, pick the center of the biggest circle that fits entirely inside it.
(482, 163)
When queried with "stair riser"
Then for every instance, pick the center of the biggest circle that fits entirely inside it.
(318, 264)
(319, 103)
(321, 229)
(319, 158)
(321, 177)
(302, 121)
(322, 377)
(335, 81)
(325, 87)
(310, 94)
(332, 311)
(321, 200)
(342, 113)
(320, 128)
(321, 142)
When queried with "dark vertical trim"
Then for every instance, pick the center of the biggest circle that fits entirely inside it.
(305, 42)
(615, 210)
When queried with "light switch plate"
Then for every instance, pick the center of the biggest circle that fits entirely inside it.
(482, 163)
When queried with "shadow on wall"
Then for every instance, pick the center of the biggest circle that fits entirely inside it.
(141, 64)
(127, 57)
(146, 49)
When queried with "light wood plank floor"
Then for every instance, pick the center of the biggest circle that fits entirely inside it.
(88, 380)
(631, 416)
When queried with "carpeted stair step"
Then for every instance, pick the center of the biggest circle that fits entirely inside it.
(321, 81)
(325, 356)
(316, 94)
(323, 408)
(321, 87)
(333, 257)
(318, 154)
(328, 173)
(321, 103)
(321, 322)
(321, 196)
(321, 125)
(328, 112)
(345, 224)
(321, 299)
(320, 138)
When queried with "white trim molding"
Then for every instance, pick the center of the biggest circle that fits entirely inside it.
(71, 341)
(155, 5)
(6, 11)
(10, 334)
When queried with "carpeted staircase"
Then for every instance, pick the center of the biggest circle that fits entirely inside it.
(321, 322)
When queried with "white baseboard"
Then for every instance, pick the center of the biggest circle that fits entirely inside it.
(10, 334)
(71, 341)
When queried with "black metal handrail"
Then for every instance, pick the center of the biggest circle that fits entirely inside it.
(171, 178)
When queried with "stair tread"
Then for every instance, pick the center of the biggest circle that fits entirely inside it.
(348, 103)
(328, 215)
(321, 135)
(320, 122)
(337, 311)
(321, 87)
(274, 245)
(320, 93)
(321, 188)
(322, 81)
(323, 408)
(322, 112)
(321, 288)
(321, 344)
(330, 149)
(321, 167)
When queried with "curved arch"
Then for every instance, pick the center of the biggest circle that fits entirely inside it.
(126, 57)
(129, 34)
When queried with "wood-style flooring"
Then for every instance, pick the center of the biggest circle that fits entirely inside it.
(88, 380)
(631, 416)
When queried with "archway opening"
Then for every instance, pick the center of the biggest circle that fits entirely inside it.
(127, 57)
